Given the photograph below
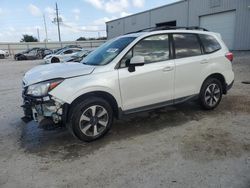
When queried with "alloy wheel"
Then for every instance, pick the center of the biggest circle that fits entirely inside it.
(212, 95)
(94, 120)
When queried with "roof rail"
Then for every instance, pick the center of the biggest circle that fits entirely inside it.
(168, 28)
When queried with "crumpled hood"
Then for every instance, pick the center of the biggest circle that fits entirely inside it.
(57, 70)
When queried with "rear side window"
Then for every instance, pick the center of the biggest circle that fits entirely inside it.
(210, 43)
(186, 45)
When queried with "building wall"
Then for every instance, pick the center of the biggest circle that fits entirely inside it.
(177, 11)
(187, 13)
(242, 24)
(16, 47)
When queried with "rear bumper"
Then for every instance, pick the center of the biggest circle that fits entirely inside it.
(229, 86)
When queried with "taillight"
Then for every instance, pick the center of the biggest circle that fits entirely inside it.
(230, 56)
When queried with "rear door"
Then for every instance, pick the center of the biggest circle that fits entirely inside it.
(189, 63)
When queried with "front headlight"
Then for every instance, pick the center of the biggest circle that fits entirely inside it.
(42, 89)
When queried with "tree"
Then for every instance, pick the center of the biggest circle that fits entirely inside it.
(81, 39)
(102, 38)
(29, 38)
(91, 38)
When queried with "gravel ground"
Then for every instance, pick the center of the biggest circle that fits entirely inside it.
(179, 146)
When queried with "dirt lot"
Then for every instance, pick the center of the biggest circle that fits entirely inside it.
(180, 146)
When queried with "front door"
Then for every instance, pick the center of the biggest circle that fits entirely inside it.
(152, 83)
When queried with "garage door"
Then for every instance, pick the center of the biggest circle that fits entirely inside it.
(223, 23)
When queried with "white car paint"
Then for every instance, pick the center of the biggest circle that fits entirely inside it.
(4, 53)
(42, 73)
(61, 56)
(149, 84)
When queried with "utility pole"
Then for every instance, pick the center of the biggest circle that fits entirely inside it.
(38, 35)
(45, 27)
(188, 13)
(58, 26)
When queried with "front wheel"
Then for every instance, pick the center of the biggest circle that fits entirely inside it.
(55, 60)
(211, 93)
(91, 119)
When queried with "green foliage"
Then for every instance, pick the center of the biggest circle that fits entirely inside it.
(29, 38)
(83, 38)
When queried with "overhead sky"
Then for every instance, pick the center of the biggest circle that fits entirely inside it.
(79, 17)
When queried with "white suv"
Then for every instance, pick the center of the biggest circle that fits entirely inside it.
(132, 73)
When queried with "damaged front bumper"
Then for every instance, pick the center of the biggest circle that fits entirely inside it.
(47, 107)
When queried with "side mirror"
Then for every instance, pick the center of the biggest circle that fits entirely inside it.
(136, 61)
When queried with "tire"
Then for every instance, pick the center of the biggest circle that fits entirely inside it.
(88, 126)
(211, 93)
(22, 57)
(55, 60)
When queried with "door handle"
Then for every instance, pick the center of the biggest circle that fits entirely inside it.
(169, 68)
(204, 61)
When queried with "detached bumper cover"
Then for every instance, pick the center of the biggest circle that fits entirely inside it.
(35, 108)
(29, 104)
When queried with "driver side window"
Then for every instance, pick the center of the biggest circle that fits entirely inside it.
(153, 49)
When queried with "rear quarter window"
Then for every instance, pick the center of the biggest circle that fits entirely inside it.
(210, 44)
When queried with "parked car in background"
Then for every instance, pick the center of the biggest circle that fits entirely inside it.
(132, 73)
(21, 55)
(61, 55)
(42, 52)
(3, 54)
(66, 47)
(78, 57)
(32, 54)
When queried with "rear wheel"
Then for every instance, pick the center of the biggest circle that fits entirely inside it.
(211, 93)
(91, 119)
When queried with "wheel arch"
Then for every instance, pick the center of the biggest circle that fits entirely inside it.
(102, 94)
(55, 60)
(221, 78)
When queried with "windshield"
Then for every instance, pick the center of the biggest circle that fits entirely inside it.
(107, 52)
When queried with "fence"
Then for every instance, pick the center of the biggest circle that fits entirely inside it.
(14, 48)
